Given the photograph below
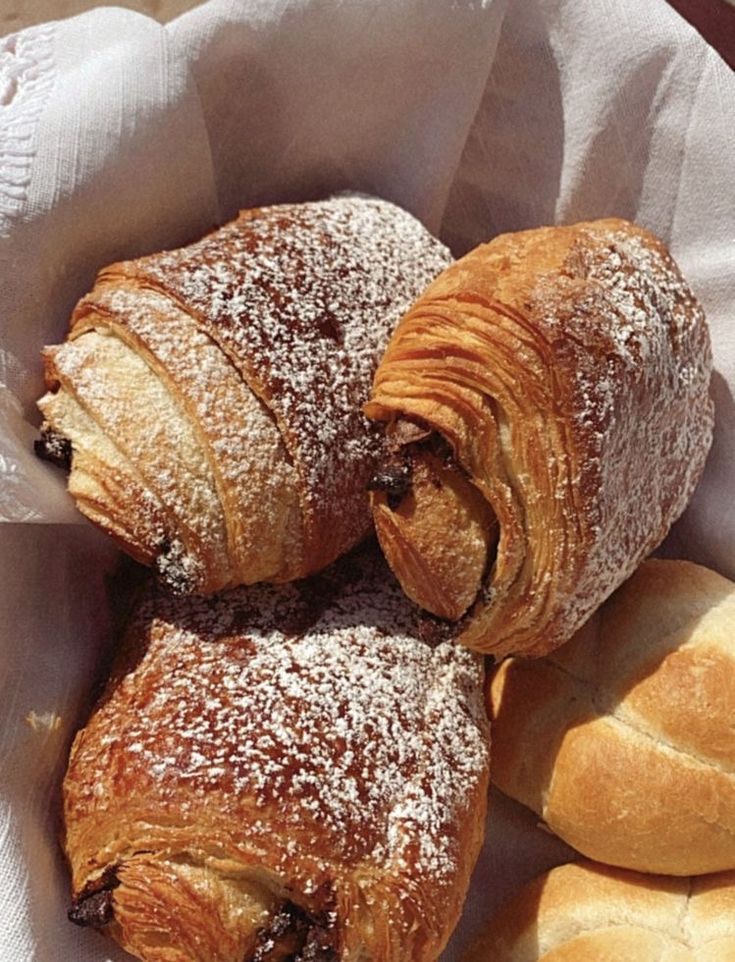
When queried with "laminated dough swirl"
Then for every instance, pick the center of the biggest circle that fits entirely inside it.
(622, 741)
(280, 772)
(207, 399)
(585, 911)
(546, 402)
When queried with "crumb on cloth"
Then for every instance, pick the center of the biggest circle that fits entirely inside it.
(47, 721)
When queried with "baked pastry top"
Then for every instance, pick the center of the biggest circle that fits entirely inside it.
(546, 401)
(281, 773)
(208, 399)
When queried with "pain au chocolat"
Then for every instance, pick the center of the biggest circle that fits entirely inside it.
(546, 403)
(207, 400)
(280, 773)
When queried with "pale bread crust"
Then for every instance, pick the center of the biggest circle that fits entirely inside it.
(586, 911)
(622, 740)
(568, 370)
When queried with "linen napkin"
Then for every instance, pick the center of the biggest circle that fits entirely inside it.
(119, 136)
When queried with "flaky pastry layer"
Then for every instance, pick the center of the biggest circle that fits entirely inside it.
(224, 383)
(566, 370)
(281, 773)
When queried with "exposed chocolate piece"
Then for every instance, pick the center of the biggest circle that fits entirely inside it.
(395, 479)
(53, 447)
(93, 907)
(294, 936)
(176, 570)
(95, 911)
(283, 937)
(405, 438)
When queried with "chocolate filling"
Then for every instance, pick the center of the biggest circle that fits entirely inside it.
(404, 438)
(295, 936)
(93, 907)
(394, 479)
(53, 447)
(174, 568)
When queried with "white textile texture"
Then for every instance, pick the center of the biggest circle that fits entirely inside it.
(119, 136)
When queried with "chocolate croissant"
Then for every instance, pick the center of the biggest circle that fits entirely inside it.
(280, 773)
(208, 399)
(547, 409)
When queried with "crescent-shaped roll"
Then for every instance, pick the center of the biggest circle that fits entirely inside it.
(281, 773)
(208, 399)
(547, 408)
(586, 912)
(623, 740)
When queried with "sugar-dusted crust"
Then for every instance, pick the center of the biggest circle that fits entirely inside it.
(622, 740)
(586, 911)
(292, 749)
(568, 370)
(228, 377)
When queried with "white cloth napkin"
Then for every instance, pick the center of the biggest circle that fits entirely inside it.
(119, 136)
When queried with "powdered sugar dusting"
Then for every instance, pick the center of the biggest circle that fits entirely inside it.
(583, 355)
(256, 482)
(150, 429)
(652, 385)
(303, 299)
(95, 457)
(315, 702)
(627, 360)
(630, 355)
(233, 386)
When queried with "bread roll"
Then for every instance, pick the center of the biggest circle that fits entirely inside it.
(623, 740)
(208, 399)
(562, 374)
(280, 773)
(584, 912)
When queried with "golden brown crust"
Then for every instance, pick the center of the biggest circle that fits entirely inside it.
(252, 477)
(585, 911)
(229, 377)
(622, 740)
(435, 573)
(568, 369)
(293, 750)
